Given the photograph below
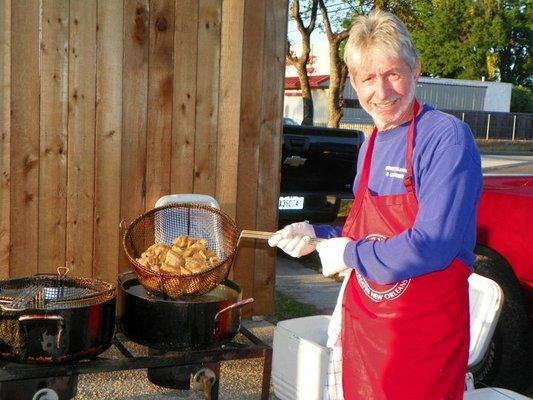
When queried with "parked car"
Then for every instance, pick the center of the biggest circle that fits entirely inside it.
(317, 172)
(505, 254)
(289, 121)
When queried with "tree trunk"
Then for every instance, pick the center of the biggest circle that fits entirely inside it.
(337, 70)
(307, 97)
(300, 63)
(337, 79)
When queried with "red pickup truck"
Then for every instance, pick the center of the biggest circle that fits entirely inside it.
(505, 254)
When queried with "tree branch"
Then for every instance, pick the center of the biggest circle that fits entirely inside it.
(342, 35)
(332, 37)
(295, 14)
(325, 19)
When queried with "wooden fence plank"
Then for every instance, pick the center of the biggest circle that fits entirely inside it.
(25, 127)
(5, 128)
(184, 96)
(134, 93)
(123, 97)
(207, 84)
(108, 139)
(229, 104)
(270, 155)
(81, 137)
(159, 125)
(246, 217)
(53, 134)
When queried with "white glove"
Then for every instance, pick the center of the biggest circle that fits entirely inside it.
(331, 254)
(294, 239)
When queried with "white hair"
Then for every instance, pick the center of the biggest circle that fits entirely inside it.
(381, 32)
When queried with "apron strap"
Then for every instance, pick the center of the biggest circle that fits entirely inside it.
(408, 180)
(363, 183)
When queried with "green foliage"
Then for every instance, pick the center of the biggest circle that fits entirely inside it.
(522, 99)
(439, 46)
(464, 39)
(511, 147)
(469, 39)
(516, 64)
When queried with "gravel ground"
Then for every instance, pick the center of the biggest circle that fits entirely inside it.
(239, 380)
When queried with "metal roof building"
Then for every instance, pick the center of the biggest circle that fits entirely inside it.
(444, 94)
(441, 93)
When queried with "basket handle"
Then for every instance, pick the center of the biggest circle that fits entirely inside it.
(263, 235)
(62, 271)
(122, 225)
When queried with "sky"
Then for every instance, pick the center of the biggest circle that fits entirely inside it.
(319, 42)
(319, 48)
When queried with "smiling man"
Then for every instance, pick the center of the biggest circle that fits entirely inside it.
(386, 88)
(409, 238)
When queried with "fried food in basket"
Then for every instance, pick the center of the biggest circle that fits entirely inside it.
(186, 256)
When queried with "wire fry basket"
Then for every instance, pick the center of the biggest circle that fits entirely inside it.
(53, 292)
(163, 225)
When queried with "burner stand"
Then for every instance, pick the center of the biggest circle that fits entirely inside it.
(128, 360)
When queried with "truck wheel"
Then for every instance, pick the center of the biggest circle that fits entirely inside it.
(507, 363)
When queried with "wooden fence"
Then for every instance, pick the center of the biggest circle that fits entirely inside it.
(106, 105)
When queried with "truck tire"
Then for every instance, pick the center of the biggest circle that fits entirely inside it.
(508, 362)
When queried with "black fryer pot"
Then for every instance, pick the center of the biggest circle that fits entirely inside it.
(57, 325)
(192, 322)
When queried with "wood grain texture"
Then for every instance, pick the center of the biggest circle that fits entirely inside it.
(53, 134)
(109, 44)
(106, 105)
(134, 113)
(246, 216)
(229, 104)
(5, 134)
(81, 137)
(24, 201)
(184, 96)
(270, 155)
(159, 125)
(207, 84)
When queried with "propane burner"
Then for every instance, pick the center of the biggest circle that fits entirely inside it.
(192, 369)
(53, 388)
(204, 381)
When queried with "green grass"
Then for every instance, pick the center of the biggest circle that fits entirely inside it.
(287, 308)
(494, 146)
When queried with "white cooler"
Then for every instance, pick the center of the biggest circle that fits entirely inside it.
(493, 394)
(300, 356)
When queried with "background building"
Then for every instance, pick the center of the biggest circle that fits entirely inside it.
(444, 94)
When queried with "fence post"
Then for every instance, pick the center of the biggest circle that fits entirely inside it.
(514, 127)
(488, 127)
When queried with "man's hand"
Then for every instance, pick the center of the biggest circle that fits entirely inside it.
(331, 254)
(294, 239)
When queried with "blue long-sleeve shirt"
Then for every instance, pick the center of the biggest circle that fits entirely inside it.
(448, 181)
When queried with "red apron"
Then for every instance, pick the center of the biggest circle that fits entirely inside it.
(407, 340)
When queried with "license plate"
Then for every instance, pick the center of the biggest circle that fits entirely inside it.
(291, 203)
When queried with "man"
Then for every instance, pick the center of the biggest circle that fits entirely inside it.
(409, 237)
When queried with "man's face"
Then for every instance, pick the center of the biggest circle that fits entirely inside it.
(385, 87)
